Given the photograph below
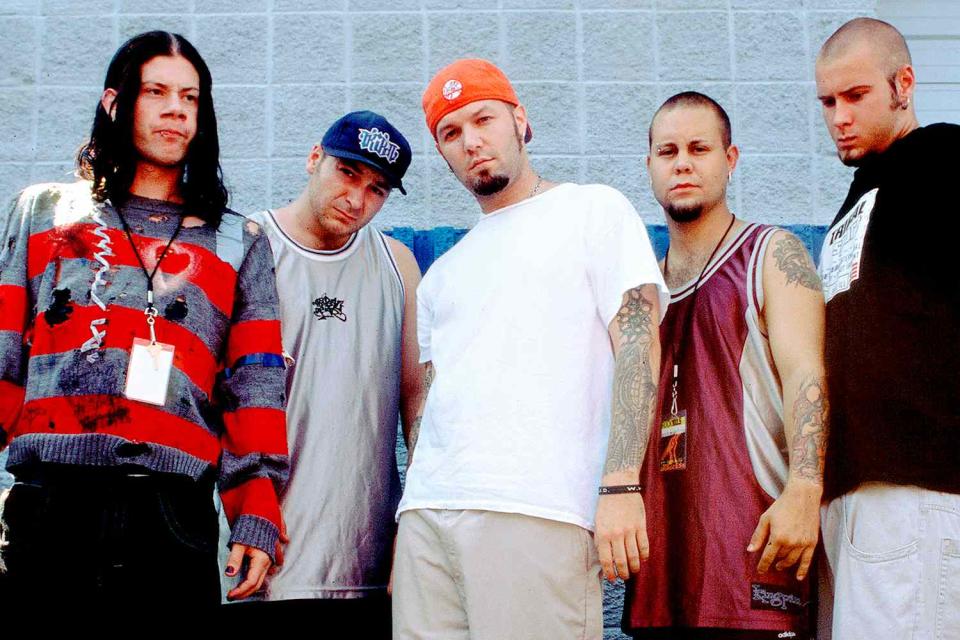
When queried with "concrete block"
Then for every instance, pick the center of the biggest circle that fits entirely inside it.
(772, 118)
(288, 179)
(387, 47)
(686, 5)
(617, 117)
(448, 5)
(64, 118)
(614, 633)
(618, 46)
(867, 7)
(557, 168)
(538, 4)
(14, 177)
(822, 142)
(451, 204)
(130, 26)
(168, 7)
(411, 210)
(247, 181)
(17, 66)
(694, 45)
(231, 6)
(301, 115)
(768, 5)
(398, 103)
(380, 5)
(77, 7)
(612, 603)
(722, 92)
(19, 8)
(776, 189)
(541, 46)
(462, 35)
(621, 4)
(821, 25)
(242, 118)
(770, 46)
(627, 174)
(235, 47)
(76, 50)
(309, 5)
(552, 110)
(309, 48)
(833, 180)
(53, 172)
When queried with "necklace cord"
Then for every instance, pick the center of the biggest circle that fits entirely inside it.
(679, 345)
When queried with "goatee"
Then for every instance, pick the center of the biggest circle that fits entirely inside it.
(487, 185)
(684, 213)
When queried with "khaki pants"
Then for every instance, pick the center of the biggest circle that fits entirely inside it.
(487, 575)
(894, 565)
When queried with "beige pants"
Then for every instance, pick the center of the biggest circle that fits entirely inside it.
(894, 565)
(486, 575)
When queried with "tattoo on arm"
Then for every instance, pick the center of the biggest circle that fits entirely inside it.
(634, 387)
(810, 434)
(428, 375)
(795, 263)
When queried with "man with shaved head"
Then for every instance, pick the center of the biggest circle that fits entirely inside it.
(891, 526)
(733, 478)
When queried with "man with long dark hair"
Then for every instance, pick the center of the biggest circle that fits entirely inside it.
(139, 357)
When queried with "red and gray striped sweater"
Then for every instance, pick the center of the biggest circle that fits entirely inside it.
(72, 296)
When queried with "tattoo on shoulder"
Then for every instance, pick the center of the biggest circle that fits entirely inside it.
(634, 387)
(795, 263)
(810, 436)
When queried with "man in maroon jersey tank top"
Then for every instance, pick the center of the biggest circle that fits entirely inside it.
(733, 476)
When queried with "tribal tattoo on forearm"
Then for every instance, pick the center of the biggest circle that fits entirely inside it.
(634, 387)
(810, 434)
(428, 375)
(795, 263)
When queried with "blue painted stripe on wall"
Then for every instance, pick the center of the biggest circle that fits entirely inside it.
(429, 244)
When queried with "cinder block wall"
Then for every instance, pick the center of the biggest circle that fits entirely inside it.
(591, 72)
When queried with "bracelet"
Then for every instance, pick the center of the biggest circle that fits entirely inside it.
(621, 488)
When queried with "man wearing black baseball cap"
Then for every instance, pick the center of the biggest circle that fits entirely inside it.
(349, 328)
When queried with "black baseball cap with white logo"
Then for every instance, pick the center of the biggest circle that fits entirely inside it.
(369, 138)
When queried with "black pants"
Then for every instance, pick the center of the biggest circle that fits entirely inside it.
(109, 540)
(367, 618)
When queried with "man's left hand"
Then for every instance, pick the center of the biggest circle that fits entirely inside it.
(790, 527)
(258, 564)
(621, 534)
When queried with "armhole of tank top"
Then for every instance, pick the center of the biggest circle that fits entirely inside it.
(392, 259)
(755, 275)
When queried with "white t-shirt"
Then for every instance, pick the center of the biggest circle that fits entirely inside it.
(515, 320)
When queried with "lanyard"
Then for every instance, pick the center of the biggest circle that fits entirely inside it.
(679, 343)
(150, 311)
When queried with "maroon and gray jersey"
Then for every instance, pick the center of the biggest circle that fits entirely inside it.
(700, 518)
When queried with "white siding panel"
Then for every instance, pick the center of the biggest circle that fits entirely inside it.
(932, 30)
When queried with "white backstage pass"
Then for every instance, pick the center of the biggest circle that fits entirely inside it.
(148, 374)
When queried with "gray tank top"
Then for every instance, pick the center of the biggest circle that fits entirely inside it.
(341, 314)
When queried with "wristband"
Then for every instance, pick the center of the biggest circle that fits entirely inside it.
(621, 488)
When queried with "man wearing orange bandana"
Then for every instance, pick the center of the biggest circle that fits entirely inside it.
(525, 467)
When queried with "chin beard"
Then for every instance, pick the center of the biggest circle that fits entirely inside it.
(687, 213)
(850, 161)
(487, 185)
